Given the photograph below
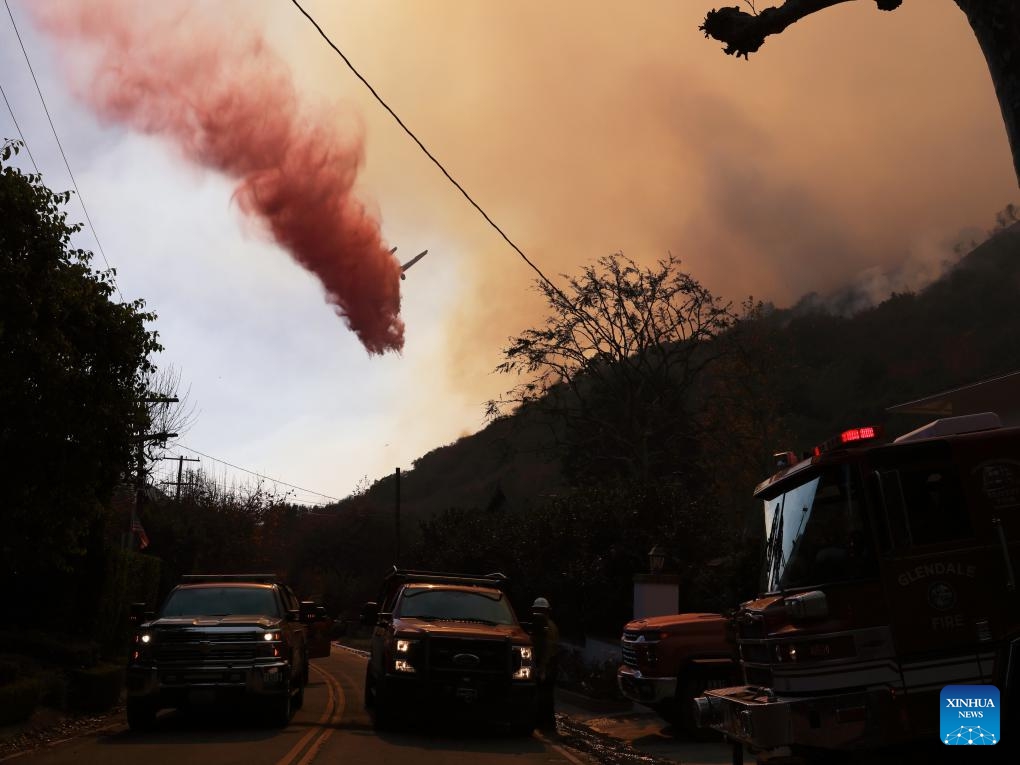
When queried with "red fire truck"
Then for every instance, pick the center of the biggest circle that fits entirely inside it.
(889, 572)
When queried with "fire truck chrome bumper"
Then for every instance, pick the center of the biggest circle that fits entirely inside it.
(645, 690)
(764, 721)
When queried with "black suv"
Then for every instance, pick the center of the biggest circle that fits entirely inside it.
(448, 642)
(218, 637)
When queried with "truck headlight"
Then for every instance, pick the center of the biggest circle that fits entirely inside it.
(405, 651)
(143, 638)
(271, 636)
(523, 662)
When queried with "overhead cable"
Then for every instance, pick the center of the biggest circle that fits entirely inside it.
(18, 128)
(60, 146)
(256, 473)
(429, 154)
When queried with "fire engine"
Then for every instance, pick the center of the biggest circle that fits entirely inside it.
(889, 572)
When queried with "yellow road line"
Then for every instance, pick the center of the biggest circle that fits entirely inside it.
(334, 720)
(326, 714)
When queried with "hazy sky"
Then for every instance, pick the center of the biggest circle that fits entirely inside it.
(855, 142)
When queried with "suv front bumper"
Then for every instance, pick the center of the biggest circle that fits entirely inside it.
(267, 679)
(764, 721)
(645, 690)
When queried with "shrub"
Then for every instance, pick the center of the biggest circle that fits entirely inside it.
(96, 689)
(18, 699)
(53, 685)
(63, 651)
(9, 669)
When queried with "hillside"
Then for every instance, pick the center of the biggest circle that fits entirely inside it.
(830, 372)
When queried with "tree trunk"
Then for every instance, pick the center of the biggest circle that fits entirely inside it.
(996, 24)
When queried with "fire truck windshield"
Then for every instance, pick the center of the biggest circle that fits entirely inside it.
(814, 532)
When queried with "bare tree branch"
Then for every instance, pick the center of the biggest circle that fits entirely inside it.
(744, 33)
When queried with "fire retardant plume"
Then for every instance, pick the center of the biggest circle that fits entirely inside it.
(229, 103)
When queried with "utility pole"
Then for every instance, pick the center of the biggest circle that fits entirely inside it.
(180, 470)
(396, 557)
(140, 475)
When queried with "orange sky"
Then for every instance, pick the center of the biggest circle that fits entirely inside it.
(854, 139)
(855, 142)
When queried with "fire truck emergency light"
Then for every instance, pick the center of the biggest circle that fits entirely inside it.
(857, 434)
(851, 437)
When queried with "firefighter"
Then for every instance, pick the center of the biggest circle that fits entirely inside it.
(545, 639)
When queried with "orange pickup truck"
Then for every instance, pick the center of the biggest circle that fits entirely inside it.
(669, 660)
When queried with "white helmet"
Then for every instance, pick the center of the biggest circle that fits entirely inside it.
(540, 603)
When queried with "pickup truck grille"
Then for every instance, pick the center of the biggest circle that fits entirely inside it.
(450, 654)
(190, 636)
(205, 647)
(204, 653)
(636, 649)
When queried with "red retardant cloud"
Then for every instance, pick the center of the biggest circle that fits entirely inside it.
(229, 103)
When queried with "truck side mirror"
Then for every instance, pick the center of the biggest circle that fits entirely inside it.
(307, 611)
(370, 613)
(137, 613)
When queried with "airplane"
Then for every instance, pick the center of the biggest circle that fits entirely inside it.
(411, 262)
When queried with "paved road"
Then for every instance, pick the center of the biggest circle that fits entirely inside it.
(331, 728)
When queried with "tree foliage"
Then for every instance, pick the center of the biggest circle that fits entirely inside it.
(582, 549)
(72, 369)
(614, 365)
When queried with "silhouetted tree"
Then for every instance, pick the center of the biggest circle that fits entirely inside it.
(73, 364)
(614, 363)
(996, 24)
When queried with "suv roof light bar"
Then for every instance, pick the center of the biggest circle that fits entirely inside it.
(253, 578)
(495, 579)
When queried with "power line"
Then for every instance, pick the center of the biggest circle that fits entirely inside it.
(257, 474)
(421, 146)
(18, 128)
(61, 147)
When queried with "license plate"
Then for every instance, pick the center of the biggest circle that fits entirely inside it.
(466, 694)
(202, 696)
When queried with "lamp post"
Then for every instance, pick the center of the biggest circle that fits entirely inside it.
(656, 559)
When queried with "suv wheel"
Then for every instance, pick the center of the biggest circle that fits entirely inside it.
(381, 710)
(523, 728)
(141, 714)
(369, 689)
(281, 709)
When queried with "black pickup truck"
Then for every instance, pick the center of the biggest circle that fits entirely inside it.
(223, 637)
(448, 643)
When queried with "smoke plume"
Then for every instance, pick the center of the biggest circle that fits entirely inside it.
(229, 103)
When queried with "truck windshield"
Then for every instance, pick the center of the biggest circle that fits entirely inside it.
(220, 601)
(454, 605)
(814, 532)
